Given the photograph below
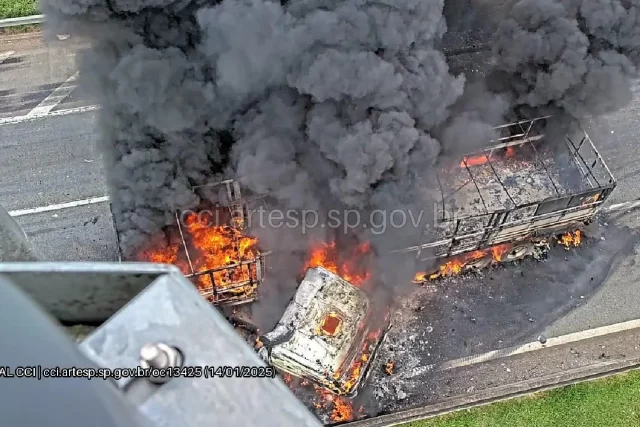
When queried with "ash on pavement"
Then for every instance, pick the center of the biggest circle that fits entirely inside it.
(502, 307)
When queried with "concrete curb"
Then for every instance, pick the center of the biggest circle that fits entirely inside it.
(501, 393)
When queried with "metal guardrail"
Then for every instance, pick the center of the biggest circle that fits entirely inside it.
(24, 20)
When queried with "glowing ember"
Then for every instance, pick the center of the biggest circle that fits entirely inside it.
(388, 368)
(214, 247)
(330, 324)
(481, 159)
(456, 265)
(326, 256)
(571, 239)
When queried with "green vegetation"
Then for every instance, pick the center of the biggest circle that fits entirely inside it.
(611, 402)
(18, 8)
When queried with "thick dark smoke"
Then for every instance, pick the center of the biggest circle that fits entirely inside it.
(328, 105)
(324, 105)
(575, 55)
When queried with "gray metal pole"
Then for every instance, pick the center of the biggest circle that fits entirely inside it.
(14, 245)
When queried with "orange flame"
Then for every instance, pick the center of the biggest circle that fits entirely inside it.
(481, 159)
(457, 264)
(355, 368)
(341, 407)
(213, 247)
(388, 368)
(326, 256)
(342, 410)
(571, 239)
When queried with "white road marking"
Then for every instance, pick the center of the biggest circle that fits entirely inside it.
(625, 205)
(534, 346)
(60, 206)
(5, 55)
(55, 97)
(27, 118)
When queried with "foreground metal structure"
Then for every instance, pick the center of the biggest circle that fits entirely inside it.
(517, 188)
(156, 305)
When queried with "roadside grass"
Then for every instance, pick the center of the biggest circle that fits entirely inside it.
(18, 8)
(610, 402)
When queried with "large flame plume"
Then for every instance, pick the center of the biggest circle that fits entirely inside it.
(350, 268)
(214, 246)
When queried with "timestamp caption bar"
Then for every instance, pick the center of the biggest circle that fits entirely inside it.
(40, 372)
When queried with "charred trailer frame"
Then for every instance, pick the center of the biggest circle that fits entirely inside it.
(492, 213)
(241, 292)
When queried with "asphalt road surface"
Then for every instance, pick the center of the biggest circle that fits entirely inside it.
(48, 158)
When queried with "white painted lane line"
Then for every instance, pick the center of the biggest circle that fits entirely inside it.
(625, 205)
(55, 97)
(5, 55)
(26, 118)
(60, 206)
(534, 346)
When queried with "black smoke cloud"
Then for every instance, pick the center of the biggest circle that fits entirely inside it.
(323, 105)
(575, 56)
(328, 105)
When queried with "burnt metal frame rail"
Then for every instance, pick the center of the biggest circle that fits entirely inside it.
(218, 292)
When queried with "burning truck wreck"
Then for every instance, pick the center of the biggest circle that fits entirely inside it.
(347, 105)
(508, 201)
(513, 199)
(331, 329)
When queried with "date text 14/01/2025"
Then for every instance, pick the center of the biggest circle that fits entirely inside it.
(215, 372)
(234, 371)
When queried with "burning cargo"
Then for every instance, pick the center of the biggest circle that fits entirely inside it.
(328, 334)
(508, 200)
(212, 249)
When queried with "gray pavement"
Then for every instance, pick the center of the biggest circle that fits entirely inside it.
(50, 161)
(78, 234)
(31, 69)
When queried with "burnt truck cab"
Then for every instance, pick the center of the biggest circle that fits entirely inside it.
(328, 334)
